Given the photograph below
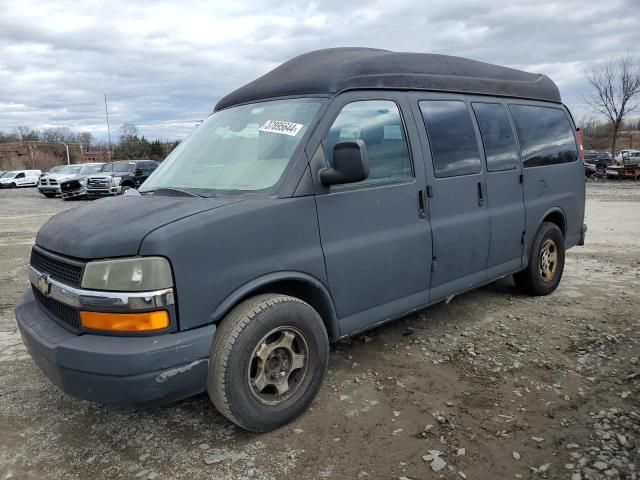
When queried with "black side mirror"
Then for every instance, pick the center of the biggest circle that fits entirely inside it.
(350, 164)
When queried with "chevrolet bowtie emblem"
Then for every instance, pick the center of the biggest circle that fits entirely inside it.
(43, 284)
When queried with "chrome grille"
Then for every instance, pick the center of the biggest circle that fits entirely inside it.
(98, 182)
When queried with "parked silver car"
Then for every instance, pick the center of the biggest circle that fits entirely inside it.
(49, 184)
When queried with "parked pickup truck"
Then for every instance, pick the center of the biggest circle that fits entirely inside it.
(118, 176)
(50, 184)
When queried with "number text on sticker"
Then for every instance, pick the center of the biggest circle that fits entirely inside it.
(284, 128)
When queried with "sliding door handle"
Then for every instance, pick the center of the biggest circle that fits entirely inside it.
(481, 194)
(422, 203)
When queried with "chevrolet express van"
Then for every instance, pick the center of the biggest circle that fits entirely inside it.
(346, 188)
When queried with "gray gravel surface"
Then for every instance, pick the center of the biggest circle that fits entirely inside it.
(493, 385)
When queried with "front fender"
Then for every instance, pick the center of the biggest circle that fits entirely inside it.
(315, 293)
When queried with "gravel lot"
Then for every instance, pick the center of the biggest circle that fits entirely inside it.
(493, 385)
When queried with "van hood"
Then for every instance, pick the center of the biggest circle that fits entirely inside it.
(115, 227)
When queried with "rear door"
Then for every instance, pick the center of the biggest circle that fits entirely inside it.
(458, 209)
(553, 177)
(505, 198)
(375, 235)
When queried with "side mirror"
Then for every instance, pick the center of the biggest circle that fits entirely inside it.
(350, 164)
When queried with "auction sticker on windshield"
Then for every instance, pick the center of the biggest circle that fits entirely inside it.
(284, 128)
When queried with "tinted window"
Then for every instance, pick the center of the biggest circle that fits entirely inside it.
(122, 166)
(452, 138)
(379, 125)
(20, 175)
(497, 136)
(545, 135)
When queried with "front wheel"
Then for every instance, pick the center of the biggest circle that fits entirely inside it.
(268, 360)
(601, 169)
(546, 262)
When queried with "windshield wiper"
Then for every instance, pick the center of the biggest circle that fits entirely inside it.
(174, 191)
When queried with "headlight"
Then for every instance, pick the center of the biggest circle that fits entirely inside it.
(83, 181)
(115, 181)
(128, 275)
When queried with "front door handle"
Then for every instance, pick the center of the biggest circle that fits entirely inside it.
(422, 203)
(481, 194)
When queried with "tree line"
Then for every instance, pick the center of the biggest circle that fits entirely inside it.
(129, 144)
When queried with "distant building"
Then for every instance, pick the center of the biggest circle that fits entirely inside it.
(96, 156)
(14, 150)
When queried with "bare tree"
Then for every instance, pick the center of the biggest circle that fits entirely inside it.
(24, 133)
(615, 91)
(85, 138)
(127, 132)
(57, 135)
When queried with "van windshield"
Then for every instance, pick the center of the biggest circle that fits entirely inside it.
(242, 148)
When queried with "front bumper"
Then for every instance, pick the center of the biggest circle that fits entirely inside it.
(48, 189)
(103, 192)
(78, 193)
(105, 369)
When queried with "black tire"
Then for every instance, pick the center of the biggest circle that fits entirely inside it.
(235, 361)
(13, 185)
(49, 195)
(601, 168)
(532, 280)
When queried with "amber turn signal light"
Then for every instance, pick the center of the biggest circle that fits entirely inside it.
(125, 322)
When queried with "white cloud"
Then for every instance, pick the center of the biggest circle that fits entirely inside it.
(165, 64)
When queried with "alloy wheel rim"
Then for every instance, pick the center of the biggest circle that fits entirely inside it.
(548, 263)
(278, 365)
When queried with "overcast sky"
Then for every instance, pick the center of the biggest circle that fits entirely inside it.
(164, 65)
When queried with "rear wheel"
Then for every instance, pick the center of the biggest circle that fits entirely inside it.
(601, 169)
(546, 262)
(268, 360)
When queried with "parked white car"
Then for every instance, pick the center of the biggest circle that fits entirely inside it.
(20, 178)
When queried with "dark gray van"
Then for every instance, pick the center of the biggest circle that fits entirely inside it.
(346, 188)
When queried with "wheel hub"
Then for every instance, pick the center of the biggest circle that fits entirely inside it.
(278, 365)
(548, 260)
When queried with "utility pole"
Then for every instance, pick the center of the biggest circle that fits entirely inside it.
(106, 110)
(67, 147)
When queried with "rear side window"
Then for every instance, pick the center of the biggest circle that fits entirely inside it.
(453, 141)
(545, 135)
(379, 125)
(497, 136)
